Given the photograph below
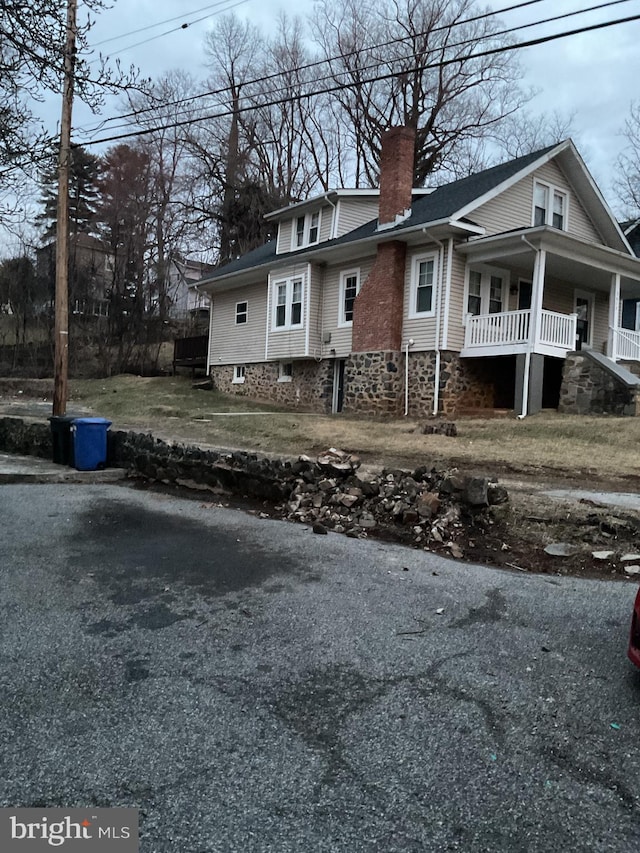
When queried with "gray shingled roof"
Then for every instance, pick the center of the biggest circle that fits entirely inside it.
(442, 203)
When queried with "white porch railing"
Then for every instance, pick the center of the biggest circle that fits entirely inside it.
(513, 329)
(507, 327)
(626, 344)
(558, 330)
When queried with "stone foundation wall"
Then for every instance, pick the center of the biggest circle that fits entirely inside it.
(311, 385)
(462, 384)
(374, 383)
(589, 389)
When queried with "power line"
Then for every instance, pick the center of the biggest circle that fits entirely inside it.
(365, 68)
(183, 26)
(325, 61)
(162, 23)
(377, 78)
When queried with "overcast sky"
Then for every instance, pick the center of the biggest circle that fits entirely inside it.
(593, 75)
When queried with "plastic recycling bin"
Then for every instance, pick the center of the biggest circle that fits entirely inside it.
(62, 439)
(90, 443)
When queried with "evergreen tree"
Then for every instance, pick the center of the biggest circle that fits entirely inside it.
(84, 194)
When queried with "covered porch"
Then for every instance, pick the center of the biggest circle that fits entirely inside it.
(559, 294)
(564, 294)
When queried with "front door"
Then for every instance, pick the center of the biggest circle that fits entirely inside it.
(583, 307)
(524, 295)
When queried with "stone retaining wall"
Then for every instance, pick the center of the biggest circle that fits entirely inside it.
(590, 389)
(420, 506)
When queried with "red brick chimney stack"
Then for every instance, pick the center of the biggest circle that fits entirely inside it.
(396, 172)
(377, 311)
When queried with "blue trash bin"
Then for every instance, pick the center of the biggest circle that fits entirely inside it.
(90, 443)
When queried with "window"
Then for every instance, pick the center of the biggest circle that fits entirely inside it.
(306, 230)
(549, 206)
(349, 289)
(242, 309)
(285, 371)
(314, 228)
(495, 294)
(287, 312)
(474, 302)
(238, 374)
(486, 288)
(422, 286)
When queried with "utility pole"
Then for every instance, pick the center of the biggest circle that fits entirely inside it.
(61, 357)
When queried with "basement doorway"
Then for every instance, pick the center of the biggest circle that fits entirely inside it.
(338, 386)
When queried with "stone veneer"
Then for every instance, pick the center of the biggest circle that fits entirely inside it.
(374, 384)
(589, 389)
(311, 384)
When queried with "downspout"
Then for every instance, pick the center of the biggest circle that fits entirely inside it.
(436, 379)
(527, 355)
(406, 376)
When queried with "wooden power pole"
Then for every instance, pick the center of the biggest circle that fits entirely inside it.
(61, 357)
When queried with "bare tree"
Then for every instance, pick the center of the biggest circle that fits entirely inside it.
(627, 182)
(412, 62)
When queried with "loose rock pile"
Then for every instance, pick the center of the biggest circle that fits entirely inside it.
(424, 505)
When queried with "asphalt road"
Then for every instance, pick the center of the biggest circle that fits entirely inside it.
(251, 686)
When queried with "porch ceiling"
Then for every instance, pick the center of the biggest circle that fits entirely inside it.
(568, 259)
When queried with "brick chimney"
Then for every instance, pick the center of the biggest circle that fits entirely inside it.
(377, 312)
(396, 172)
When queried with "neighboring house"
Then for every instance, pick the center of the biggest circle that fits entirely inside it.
(91, 264)
(184, 299)
(468, 296)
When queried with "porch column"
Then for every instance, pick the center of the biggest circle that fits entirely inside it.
(537, 292)
(614, 316)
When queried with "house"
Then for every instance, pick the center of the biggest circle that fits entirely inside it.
(503, 289)
(91, 265)
(185, 301)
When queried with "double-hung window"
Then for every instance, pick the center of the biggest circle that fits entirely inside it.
(486, 291)
(549, 206)
(306, 231)
(349, 289)
(287, 312)
(423, 284)
(242, 310)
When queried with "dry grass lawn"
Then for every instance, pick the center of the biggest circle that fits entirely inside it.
(547, 443)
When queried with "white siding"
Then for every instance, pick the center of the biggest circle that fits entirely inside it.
(457, 308)
(315, 312)
(340, 335)
(514, 207)
(422, 330)
(285, 229)
(288, 343)
(355, 212)
(326, 223)
(237, 344)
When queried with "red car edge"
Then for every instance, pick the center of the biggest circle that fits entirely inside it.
(633, 651)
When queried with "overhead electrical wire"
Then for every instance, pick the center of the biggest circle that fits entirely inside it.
(327, 60)
(181, 17)
(183, 26)
(341, 87)
(317, 80)
(377, 78)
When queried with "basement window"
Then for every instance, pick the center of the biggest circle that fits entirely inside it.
(238, 374)
(285, 371)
